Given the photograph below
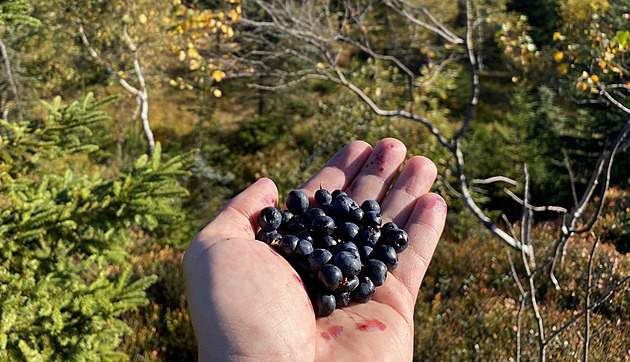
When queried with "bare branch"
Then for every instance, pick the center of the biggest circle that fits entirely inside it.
(493, 179)
(571, 177)
(437, 27)
(559, 209)
(587, 300)
(12, 86)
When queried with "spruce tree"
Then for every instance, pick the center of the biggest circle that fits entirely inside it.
(64, 270)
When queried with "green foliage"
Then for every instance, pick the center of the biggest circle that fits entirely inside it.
(61, 231)
(16, 12)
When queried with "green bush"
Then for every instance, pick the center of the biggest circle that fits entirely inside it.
(64, 270)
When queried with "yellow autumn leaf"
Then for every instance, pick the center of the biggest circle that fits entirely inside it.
(224, 28)
(584, 74)
(234, 15)
(581, 86)
(218, 75)
(321, 65)
(558, 57)
(172, 82)
(594, 78)
(602, 64)
(193, 53)
(142, 19)
(431, 54)
(182, 55)
(556, 36)
(217, 93)
(563, 68)
(230, 32)
(194, 64)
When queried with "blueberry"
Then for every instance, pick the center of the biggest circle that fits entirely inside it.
(355, 215)
(326, 242)
(388, 226)
(348, 231)
(342, 299)
(369, 236)
(348, 263)
(342, 205)
(323, 226)
(297, 202)
(330, 277)
(269, 218)
(398, 239)
(288, 244)
(295, 225)
(306, 235)
(323, 196)
(324, 304)
(286, 218)
(272, 237)
(347, 246)
(349, 284)
(387, 255)
(337, 193)
(364, 292)
(370, 205)
(327, 208)
(364, 252)
(376, 270)
(303, 249)
(318, 258)
(314, 213)
(372, 219)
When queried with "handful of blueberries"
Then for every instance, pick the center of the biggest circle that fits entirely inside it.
(340, 249)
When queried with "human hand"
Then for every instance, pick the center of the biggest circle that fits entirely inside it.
(247, 303)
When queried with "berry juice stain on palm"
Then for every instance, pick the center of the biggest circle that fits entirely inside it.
(326, 336)
(371, 325)
(335, 331)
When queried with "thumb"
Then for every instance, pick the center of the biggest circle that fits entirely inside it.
(238, 217)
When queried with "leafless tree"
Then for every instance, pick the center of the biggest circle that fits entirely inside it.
(139, 91)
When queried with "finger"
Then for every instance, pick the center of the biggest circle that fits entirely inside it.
(341, 169)
(238, 217)
(424, 228)
(379, 171)
(415, 180)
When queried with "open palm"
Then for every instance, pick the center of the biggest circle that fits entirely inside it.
(247, 302)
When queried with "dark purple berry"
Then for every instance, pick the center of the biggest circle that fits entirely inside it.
(306, 235)
(322, 196)
(326, 242)
(376, 270)
(337, 193)
(342, 299)
(364, 252)
(288, 244)
(272, 237)
(348, 263)
(364, 292)
(324, 304)
(355, 215)
(398, 239)
(297, 202)
(295, 225)
(318, 258)
(314, 213)
(349, 284)
(369, 236)
(342, 205)
(372, 219)
(330, 277)
(269, 218)
(287, 216)
(303, 249)
(323, 226)
(387, 255)
(388, 226)
(348, 246)
(328, 209)
(348, 231)
(370, 205)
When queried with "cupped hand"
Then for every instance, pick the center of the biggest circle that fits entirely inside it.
(247, 303)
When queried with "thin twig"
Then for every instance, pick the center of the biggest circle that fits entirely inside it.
(587, 300)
